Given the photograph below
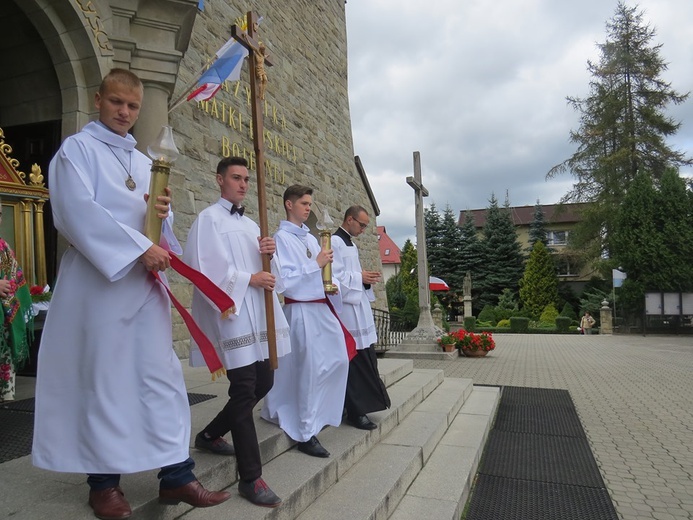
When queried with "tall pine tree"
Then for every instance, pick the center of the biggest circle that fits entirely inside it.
(435, 251)
(537, 228)
(503, 264)
(623, 127)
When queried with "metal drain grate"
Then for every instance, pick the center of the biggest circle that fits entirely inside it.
(498, 498)
(538, 464)
(16, 434)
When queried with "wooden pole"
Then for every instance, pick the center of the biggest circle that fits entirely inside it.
(247, 40)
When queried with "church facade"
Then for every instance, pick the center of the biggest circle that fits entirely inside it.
(55, 53)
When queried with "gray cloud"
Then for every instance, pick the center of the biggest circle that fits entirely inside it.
(479, 90)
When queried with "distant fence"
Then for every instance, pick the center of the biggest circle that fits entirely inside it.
(391, 332)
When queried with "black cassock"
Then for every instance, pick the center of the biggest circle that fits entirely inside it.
(365, 392)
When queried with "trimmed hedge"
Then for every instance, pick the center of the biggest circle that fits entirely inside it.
(563, 323)
(518, 324)
(469, 323)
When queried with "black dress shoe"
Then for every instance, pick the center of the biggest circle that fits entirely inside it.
(313, 448)
(218, 445)
(362, 422)
(259, 493)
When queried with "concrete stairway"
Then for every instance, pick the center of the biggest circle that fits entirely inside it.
(422, 458)
(419, 463)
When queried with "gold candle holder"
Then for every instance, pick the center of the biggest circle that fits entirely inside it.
(326, 243)
(163, 153)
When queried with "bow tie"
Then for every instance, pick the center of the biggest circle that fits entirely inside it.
(236, 209)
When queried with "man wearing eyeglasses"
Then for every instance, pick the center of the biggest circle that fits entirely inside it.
(365, 391)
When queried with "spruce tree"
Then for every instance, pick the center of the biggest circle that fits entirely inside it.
(537, 228)
(435, 252)
(503, 263)
(471, 253)
(451, 242)
(539, 284)
(623, 126)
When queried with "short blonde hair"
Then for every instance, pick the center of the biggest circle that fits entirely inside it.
(122, 76)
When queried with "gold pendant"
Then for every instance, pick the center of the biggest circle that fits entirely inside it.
(130, 183)
(308, 253)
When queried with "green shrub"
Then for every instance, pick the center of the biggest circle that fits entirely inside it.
(469, 323)
(487, 314)
(503, 323)
(519, 324)
(568, 311)
(563, 324)
(549, 315)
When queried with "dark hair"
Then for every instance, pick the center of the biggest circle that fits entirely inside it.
(122, 76)
(296, 191)
(230, 161)
(354, 211)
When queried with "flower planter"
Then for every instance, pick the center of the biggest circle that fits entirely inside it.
(474, 353)
(449, 348)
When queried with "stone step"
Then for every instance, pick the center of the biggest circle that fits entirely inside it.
(441, 489)
(374, 486)
(37, 494)
(299, 479)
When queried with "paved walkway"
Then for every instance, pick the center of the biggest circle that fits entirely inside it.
(634, 396)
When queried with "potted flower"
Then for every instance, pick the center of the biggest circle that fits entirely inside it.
(447, 342)
(474, 345)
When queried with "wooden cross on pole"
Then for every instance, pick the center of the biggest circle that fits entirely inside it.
(419, 193)
(258, 59)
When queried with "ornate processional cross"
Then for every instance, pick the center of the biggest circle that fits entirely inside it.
(258, 79)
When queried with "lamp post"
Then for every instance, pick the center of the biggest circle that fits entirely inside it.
(163, 152)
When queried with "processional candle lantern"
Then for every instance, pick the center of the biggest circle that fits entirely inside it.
(163, 152)
(326, 243)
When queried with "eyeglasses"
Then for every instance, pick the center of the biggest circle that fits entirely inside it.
(363, 226)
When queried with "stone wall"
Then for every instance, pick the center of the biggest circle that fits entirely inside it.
(307, 122)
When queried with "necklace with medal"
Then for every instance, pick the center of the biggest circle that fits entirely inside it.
(129, 182)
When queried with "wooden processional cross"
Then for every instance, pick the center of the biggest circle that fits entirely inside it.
(425, 318)
(258, 60)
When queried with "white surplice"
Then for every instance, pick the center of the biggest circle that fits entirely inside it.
(356, 313)
(309, 386)
(225, 248)
(110, 394)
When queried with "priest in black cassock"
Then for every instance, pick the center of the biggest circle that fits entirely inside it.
(365, 391)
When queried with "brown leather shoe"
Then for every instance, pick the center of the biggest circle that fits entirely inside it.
(109, 504)
(194, 494)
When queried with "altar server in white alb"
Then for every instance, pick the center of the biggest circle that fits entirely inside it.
(225, 245)
(365, 391)
(309, 385)
(110, 394)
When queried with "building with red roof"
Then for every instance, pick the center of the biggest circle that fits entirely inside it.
(389, 254)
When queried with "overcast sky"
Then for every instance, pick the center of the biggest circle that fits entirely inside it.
(479, 88)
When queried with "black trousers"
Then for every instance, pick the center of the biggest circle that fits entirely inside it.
(365, 391)
(247, 385)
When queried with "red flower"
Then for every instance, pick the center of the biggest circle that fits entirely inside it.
(35, 290)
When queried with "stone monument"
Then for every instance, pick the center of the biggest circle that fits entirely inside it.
(424, 337)
(467, 294)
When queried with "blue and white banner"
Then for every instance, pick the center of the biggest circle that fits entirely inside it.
(618, 277)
